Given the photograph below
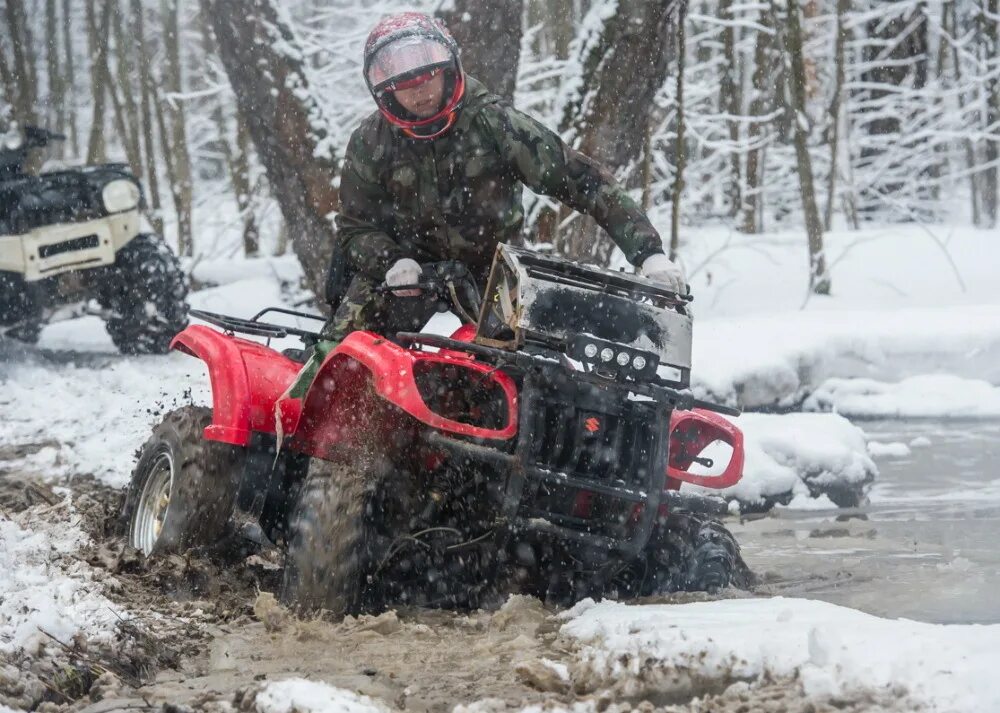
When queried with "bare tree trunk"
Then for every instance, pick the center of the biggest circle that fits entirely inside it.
(730, 102)
(489, 33)
(126, 71)
(991, 88)
(286, 124)
(241, 171)
(621, 74)
(679, 153)
(97, 43)
(843, 7)
(819, 280)
(180, 184)
(236, 156)
(70, 82)
(146, 110)
(951, 23)
(56, 102)
(752, 211)
(7, 77)
(24, 72)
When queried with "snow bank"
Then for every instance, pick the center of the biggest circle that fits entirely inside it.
(298, 695)
(44, 589)
(795, 457)
(224, 271)
(106, 409)
(925, 396)
(780, 359)
(831, 650)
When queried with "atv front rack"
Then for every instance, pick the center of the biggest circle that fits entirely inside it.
(657, 390)
(256, 328)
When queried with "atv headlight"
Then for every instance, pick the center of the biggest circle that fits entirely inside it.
(120, 195)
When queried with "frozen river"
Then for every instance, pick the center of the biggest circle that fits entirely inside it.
(927, 546)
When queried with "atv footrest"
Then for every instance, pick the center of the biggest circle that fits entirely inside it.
(539, 524)
(569, 481)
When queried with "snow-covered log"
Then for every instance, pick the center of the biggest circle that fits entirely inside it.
(268, 74)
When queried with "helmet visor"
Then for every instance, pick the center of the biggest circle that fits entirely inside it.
(405, 59)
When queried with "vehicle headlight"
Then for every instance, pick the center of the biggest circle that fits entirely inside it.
(13, 140)
(120, 195)
(607, 354)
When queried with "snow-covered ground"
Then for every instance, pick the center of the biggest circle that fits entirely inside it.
(830, 651)
(44, 590)
(907, 300)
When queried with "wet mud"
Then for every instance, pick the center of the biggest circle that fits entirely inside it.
(206, 633)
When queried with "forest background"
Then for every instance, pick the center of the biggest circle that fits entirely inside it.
(788, 114)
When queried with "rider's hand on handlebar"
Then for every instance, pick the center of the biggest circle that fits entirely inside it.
(404, 272)
(659, 268)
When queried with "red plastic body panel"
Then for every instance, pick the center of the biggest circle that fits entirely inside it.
(363, 382)
(338, 408)
(247, 379)
(690, 433)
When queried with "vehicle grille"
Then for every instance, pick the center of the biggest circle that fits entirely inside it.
(84, 243)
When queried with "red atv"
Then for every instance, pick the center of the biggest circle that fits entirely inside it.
(540, 449)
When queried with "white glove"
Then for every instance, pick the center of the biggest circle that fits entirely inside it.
(659, 268)
(404, 272)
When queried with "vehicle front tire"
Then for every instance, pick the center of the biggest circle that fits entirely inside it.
(689, 552)
(146, 293)
(334, 548)
(183, 488)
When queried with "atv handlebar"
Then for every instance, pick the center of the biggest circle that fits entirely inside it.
(450, 281)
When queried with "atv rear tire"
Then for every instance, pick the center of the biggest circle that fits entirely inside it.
(692, 553)
(146, 293)
(333, 548)
(183, 488)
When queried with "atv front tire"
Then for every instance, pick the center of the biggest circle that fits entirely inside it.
(146, 293)
(333, 548)
(183, 488)
(689, 552)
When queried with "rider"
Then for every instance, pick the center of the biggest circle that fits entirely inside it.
(436, 173)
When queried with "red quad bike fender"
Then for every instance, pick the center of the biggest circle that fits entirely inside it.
(358, 394)
(690, 433)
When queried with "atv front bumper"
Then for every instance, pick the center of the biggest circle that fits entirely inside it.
(549, 478)
(54, 249)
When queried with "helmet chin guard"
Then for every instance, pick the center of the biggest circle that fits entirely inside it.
(405, 51)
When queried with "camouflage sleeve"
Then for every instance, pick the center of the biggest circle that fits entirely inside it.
(368, 247)
(547, 165)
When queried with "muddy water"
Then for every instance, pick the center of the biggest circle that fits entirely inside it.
(926, 547)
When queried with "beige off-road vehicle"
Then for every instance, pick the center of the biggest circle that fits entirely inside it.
(75, 236)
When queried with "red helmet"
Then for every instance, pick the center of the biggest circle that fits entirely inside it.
(406, 50)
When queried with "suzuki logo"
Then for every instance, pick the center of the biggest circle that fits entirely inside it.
(592, 424)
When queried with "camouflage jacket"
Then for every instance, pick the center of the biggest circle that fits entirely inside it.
(457, 196)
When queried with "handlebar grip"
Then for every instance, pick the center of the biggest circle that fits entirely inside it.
(382, 289)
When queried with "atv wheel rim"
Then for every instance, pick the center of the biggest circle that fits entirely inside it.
(154, 502)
